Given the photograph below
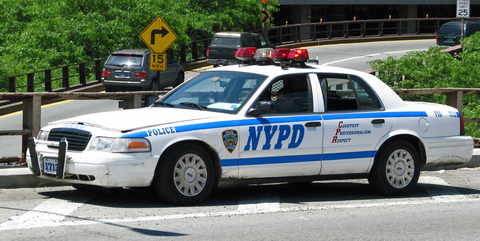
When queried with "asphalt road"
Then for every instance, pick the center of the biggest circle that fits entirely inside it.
(443, 206)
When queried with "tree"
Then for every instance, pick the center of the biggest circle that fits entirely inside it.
(41, 34)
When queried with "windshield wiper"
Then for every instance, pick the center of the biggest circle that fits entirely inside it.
(160, 103)
(190, 104)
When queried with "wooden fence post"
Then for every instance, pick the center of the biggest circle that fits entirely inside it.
(31, 120)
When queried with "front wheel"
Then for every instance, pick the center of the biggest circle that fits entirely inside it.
(185, 177)
(396, 169)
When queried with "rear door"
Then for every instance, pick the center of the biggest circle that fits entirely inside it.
(354, 123)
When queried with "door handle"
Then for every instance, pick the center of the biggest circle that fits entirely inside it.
(378, 121)
(313, 124)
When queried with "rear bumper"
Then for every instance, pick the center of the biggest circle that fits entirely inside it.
(143, 83)
(221, 61)
(448, 150)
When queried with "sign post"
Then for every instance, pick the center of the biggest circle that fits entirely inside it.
(264, 18)
(463, 11)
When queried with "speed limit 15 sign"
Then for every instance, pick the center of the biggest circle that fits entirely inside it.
(463, 8)
(158, 61)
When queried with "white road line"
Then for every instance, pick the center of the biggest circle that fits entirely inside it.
(52, 212)
(372, 55)
(47, 214)
(264, 205)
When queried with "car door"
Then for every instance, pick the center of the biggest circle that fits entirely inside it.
(287, 142)
(354, 122)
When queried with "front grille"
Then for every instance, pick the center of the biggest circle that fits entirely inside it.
(77, 139)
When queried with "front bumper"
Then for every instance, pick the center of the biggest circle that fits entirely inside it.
(90, 167)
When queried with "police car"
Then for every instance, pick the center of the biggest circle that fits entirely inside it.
(270, 119)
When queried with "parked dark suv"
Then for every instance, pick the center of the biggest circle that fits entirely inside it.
(129, 70)
(221, 50)
(451, 32)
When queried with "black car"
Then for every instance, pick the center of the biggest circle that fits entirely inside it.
(221, 50)
(451, 32)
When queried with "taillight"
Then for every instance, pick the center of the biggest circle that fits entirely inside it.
(208, 52)
(106, 73)
(140, 74)
(436, 39)
(462, 125)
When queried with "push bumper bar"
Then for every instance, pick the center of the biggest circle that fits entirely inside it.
(62, 156)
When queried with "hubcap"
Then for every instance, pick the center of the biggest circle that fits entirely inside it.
(190, 175)
(400, 168)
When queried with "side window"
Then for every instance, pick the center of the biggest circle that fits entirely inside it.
(348, 93)
(291, 94)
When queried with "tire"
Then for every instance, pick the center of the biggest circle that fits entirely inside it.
(186, 175)
(396, 169)
(180, 79)
(154, 85)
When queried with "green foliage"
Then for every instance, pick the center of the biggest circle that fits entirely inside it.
(42, 34)
(435, 69)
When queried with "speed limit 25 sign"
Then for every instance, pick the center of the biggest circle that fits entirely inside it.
(463, 8)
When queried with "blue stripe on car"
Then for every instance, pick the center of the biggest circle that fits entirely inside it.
(275, 120)
(295, 159)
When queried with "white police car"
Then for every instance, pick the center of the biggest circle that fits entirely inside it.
(284, 122)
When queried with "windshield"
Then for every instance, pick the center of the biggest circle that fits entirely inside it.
(121, 60)
(222, 91)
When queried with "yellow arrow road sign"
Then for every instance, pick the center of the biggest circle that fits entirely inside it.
(158, 36)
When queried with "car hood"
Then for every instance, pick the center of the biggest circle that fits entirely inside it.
(129, 120)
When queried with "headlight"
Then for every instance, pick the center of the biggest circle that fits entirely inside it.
(120, 144)
(43, 136)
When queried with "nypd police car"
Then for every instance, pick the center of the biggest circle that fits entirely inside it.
(271, 118)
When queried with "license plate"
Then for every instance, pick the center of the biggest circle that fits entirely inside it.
(50, 165)
(449, 40)
(122, 74)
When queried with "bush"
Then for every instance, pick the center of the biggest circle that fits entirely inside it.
(435, 69)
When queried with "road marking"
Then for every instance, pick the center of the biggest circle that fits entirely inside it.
(48, 214)
(43, 106)
(372, 55)
(52, 212)
(264, 205)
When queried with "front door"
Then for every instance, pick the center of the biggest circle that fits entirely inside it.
(287, 142)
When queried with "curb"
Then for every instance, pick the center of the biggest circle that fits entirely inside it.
(22, 177)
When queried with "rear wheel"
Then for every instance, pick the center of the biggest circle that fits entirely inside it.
(186, 175)
(180, 79)
(396, 169)
(154, 85)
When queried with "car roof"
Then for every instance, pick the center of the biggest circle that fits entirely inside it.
(232, 34)
(132, 51)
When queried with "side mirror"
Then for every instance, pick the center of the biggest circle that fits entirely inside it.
(262, 107)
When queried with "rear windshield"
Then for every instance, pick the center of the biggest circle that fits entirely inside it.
(451, 29)
(130, 60)
(222, 41)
